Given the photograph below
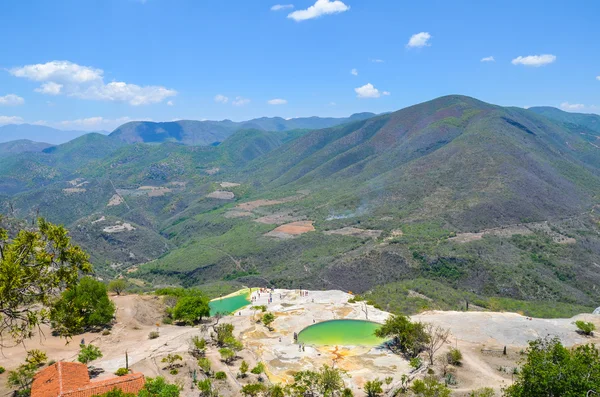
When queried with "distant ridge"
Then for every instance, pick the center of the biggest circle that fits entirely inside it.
(204, 133)
(589, 120)
(37, 133)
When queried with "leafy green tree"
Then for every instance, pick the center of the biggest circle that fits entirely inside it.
(171, 361)
(244, 369)
(117, 286)
(276, 391)
(34, 266)
(407, 336)
(207, 389)
(36, 357)
(454, 357)
(483, 392)
(253, 389)
(158, 387)
(429, 387)
(258, 369)
(347, 393)
(198, 346)
(88, 353)
(22, 378)
(330, 380)
(550, 369)
(205, 366)
(227, 355)
(84, 307)
(223, 333)
(585, 327)
(191, 309)
(306, 383)
(373, 388)
(268, 319)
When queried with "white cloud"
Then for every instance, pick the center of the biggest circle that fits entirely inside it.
(277, 101)
(332, 104)
(10, 120)
(354, 72)
(419, 40)
(488, 59)
(386, 93)
(598, 78)
(534, 60)
(368, 91)
(279, 7)
(320, 8)
(240, 101)
(92, 123)
(377, 60)
(64, 77)
(170, 103)
(221, 99)
(11, 100)
(50, 88)
(579, 107)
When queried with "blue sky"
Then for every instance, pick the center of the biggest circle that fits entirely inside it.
(93, 64)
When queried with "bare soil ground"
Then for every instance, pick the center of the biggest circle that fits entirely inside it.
(237, 214)
(124, 227)
(221, 195)
(356, 232)
(292, 229)
(509, 231)
(277, 218)
(115, 200)
(229, 184)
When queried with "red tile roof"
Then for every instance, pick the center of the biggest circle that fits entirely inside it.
(65, 379)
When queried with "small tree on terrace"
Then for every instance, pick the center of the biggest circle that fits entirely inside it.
(585, 327)
(191, 309)
(35, 266)
(409, 337)
(373, 388)
(117, 286)
(437, 337)
(268, 319)
(88, 354)
(227, 355)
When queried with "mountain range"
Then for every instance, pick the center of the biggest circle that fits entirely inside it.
(449, 200)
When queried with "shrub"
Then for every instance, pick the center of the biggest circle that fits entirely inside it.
(2, 370)
(259, 369)
(227, 355)
(585, 327)
(416, 362)
(429, 386)
(220, 375)
(243, 369)
(484, 392)
(167, 320)
(373, 388)
(204, 365)
(88, 353)
(153, 335)
(253, 389)
(454, 357)
(122, 372)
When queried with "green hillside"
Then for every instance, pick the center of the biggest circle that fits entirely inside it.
(497, 205)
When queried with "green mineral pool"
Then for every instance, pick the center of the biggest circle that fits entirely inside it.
(341, 332)
(230, 304)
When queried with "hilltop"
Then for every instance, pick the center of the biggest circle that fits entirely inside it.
(443, 202)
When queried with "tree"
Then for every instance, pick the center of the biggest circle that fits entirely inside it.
(206, 388)
(244, 369)
(373, 388)
(36, 357)
(191, 309)
(484, 392)
(158, 387)
(227, 355)
(223, 333)
(258, 369)
(117, 286)
(330, 380)
(550, 369)
(585, 327)
(276, 391)
(409, 337)
(171, 360)
(86, 306)
(197, 346)
(268, 319)
(437, 336)
(253, 389)
(204, 364)
(429, 387)
(306, 383)
(454, 357)
(88, 354)
(35, 265)
(22, 378)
